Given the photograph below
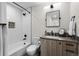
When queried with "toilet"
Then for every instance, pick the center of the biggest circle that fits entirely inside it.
(32, 49)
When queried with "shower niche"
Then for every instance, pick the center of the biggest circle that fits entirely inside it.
(11, 24)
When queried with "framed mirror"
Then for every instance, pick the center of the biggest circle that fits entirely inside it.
(53, 18)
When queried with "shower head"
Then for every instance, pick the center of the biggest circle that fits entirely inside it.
(24, 14)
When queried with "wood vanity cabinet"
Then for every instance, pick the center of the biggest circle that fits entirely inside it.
(51, 47)
(54, 47)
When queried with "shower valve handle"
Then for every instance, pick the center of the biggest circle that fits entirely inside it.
(25, 35)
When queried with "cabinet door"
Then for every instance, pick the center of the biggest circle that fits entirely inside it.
(59, 48)
(48, 49)
(64, 48)
(52, 48)
(43, 47)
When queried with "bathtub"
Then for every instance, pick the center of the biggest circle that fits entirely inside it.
(16, 47)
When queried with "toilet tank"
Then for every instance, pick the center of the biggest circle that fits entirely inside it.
(36, 40)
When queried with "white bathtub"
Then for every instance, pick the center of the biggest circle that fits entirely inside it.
(16, 47)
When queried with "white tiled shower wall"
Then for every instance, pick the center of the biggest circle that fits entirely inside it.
(22, 26)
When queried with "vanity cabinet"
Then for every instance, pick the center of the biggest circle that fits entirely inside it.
(58, 47)
(51, 47)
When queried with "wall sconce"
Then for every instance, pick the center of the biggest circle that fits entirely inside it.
(51, 6)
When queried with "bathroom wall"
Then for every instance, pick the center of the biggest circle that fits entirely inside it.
(39, 15)
(38, 23)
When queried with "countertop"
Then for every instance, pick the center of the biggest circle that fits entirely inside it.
(60, 38)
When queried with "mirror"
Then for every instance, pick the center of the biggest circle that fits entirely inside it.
(52, 19)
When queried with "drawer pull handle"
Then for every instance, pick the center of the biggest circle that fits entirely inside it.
(70, 44)
(70, 51)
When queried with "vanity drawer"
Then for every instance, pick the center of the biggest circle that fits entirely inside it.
(69, 48)
(69, 44)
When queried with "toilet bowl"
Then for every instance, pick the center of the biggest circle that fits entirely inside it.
(31, 50)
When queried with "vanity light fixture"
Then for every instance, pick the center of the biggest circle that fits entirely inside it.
(51, 6)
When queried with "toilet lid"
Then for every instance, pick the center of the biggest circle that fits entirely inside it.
(32, 48)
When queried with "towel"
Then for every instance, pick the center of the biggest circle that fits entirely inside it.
(72, 27)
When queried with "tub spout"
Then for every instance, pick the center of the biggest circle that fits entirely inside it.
(24, 38)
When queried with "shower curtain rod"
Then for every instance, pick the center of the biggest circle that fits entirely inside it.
(21, 7)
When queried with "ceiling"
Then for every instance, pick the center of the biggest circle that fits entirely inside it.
(32, 4)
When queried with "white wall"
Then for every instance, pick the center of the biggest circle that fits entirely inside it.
(39, 15)
(37, 21)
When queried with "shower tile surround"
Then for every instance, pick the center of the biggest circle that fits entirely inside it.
(19, 28)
